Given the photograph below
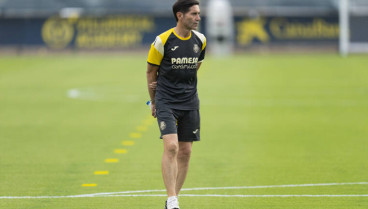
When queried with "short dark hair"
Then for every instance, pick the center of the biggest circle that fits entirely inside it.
(183, 6)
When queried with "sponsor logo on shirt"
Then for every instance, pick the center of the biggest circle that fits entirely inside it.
(183, 63)
(174, 48)
(184, 60)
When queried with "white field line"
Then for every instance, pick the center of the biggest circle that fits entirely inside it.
(101, 93)
(239, 195)
(136, 193)
(240, 187)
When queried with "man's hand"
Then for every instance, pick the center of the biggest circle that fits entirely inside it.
(153, 85)
(153, 109)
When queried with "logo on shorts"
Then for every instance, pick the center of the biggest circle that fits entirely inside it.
(196, 48)
(162, 125)
(196, 131)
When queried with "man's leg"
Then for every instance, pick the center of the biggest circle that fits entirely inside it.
(169, 163)
(185, 149)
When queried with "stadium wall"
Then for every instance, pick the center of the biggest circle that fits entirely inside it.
(137, 31)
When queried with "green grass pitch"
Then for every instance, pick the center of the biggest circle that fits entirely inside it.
(267, 120)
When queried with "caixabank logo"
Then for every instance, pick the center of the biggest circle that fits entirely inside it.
(252, 29)
(288, 29)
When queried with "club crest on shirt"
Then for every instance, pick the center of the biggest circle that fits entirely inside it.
(196, 48)
(162, 125)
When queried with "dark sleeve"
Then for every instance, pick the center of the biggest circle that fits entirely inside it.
(201, 57)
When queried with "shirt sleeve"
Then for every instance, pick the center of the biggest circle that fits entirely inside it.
(203, 53)
(204, 45)
(156, 52)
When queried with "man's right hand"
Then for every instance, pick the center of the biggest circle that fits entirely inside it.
(153, 85)
(153, 109)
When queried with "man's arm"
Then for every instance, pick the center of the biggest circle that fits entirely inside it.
(199, 65)
(151, 84)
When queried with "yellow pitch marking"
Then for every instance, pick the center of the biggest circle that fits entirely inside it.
(128, 143)
(120, 151)
(141, 128)
(148, 122)
(89, 185)
(111, 160)
(101, 172)
(135, 135)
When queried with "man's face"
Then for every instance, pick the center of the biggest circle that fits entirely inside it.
(191, 18)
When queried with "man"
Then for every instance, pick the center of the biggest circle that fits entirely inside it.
(173, 62)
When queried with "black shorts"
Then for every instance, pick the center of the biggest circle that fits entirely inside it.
(185, 123)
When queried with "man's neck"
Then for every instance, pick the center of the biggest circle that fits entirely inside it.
(182, 32)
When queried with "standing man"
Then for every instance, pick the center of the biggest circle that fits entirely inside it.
(173, 61)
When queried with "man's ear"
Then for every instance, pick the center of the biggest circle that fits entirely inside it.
(180, 15)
